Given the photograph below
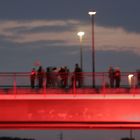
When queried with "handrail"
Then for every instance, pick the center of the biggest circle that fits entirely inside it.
(67, 80)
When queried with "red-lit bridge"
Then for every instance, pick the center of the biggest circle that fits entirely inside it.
(68, 108)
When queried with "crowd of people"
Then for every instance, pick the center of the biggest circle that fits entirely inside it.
(59, 77)
(55, 77)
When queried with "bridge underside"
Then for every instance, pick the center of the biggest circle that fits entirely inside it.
(68, 111)
(68, 125)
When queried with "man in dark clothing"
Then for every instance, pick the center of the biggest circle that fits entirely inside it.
(117, 77)
(138, 78)
(111, 76)
(40, 76)
(62, 76)
(33, 77)
(78, 75)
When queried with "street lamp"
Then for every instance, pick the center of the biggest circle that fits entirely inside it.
(131, 80)
(92, 14)
(81, 34)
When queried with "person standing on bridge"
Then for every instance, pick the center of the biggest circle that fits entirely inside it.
(111, 76)
(78, 77)
(40, 77)
(33, 77)
(117, 77)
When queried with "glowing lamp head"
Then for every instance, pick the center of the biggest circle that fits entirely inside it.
(92, 13)
(131, 80)
(130, 76)
(81, 34)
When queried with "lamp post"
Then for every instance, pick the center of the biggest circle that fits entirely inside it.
(131, 134)
(81, 34)
(92, 14)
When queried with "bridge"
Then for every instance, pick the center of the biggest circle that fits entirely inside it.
(22, 107)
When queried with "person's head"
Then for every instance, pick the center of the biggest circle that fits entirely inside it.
(40, 68)
(76, 65)
(65, 67)
(54, 68)
(47, 69)
(117, 69)
(110, 67)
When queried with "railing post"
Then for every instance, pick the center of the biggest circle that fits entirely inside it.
(44, 87)
(103, 86)
(134, 85)
(15, 85)
(74, 85)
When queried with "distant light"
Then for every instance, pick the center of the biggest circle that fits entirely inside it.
(92, 13)
(80, 34)
(130, 76)
(131, 80)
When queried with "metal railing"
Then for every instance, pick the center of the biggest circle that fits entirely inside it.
(17, 82)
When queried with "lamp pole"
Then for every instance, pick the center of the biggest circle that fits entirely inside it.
(131, 134)
(81, 34)
(92, 14)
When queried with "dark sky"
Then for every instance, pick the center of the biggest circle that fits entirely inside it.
(45, 31)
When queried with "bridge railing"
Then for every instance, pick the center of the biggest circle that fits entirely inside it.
(71, 81)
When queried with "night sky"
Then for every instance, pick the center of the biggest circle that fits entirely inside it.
(45, 31)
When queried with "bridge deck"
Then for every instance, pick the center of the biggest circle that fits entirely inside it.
(69, 97)
(85, 108)
(80, 93)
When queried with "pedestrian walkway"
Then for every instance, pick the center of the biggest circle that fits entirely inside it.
(79, 93)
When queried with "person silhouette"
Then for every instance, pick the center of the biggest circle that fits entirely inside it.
(32, 78)
(111, 76)
(40, 76)
(117, 77)
(78, 75)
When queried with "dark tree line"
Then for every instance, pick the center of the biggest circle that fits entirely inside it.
(127, 139)
(16, 138)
